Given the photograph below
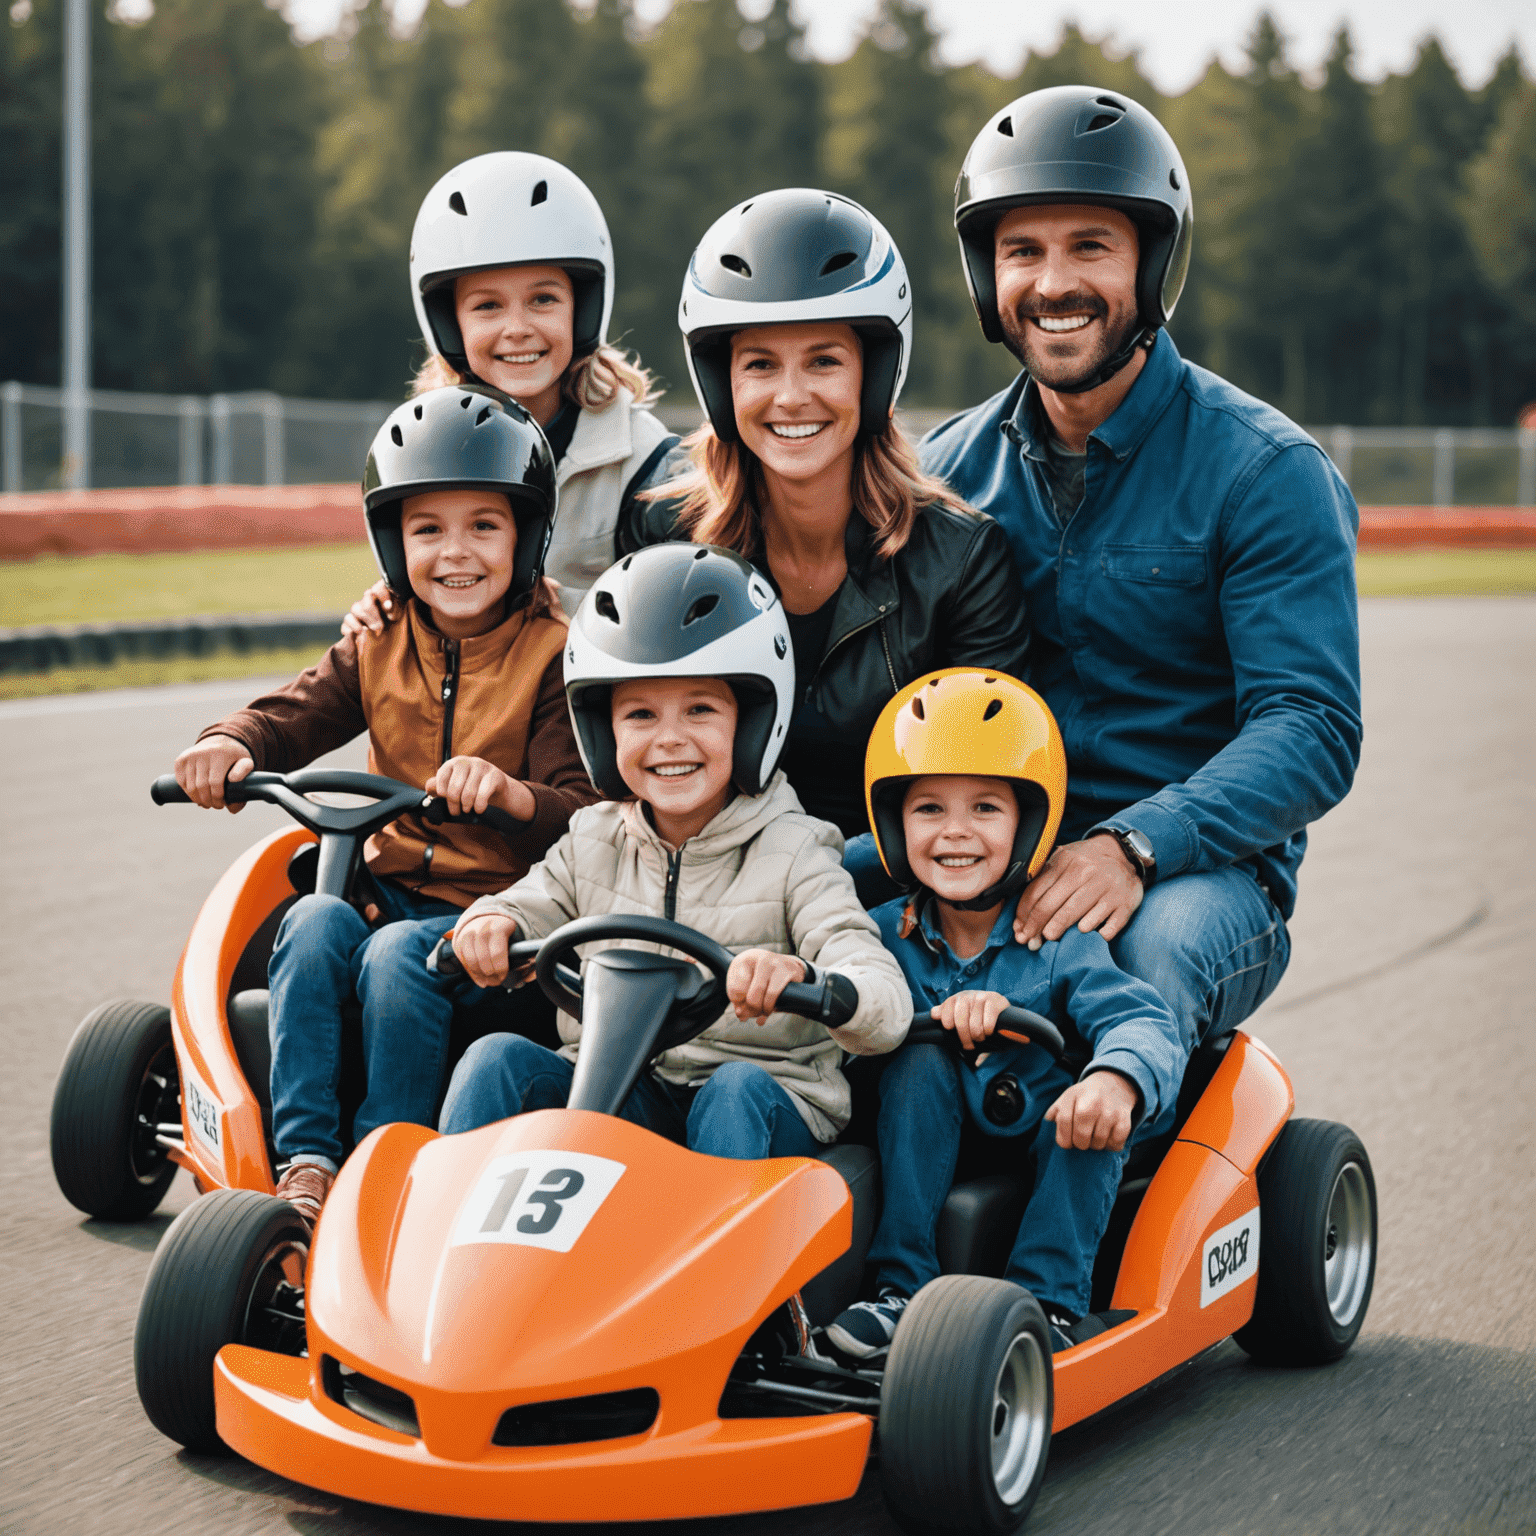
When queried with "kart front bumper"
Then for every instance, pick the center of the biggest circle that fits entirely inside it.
(267, 1414)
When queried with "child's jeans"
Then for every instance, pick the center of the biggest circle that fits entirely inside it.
(921, 1114)
(739, 1112)
(325, 954)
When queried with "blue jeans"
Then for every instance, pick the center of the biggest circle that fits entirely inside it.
(921, 1114)
(1212, 944)
(324, 956)
(739, 1112)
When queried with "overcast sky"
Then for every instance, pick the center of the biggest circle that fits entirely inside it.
(1176, 38)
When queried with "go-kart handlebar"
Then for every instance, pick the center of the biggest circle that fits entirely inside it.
(1018, 1026)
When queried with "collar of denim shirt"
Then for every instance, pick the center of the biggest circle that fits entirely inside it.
(938, 946)
(1132, 419)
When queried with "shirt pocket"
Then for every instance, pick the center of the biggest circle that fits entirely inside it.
(1160, 565)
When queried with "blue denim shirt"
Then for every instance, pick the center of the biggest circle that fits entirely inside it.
(1195, 622)
(1073, 981)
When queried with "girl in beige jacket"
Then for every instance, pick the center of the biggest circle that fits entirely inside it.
(713, 838)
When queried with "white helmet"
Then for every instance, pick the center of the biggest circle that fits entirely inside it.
(787, 257)
(510, 209)
(682, 610)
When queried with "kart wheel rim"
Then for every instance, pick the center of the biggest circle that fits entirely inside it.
(1019, 1424)
(1347, 1244)
(157, 1103)
(280, 1271)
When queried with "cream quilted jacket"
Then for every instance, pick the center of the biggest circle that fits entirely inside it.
(761, 875)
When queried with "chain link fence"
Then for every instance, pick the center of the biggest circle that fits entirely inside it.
(266, 439)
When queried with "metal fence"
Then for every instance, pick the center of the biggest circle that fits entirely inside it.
(266, 439)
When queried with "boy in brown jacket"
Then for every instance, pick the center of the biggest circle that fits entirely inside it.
(466, 699)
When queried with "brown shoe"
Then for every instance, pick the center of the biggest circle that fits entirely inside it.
(304, 1186)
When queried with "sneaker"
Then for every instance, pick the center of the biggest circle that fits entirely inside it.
(865, 1329)
(1061, 1324)
(304, 1186)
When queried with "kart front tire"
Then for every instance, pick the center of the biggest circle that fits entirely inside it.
(966, 1408)
(118, 1081)
(1317, 1248)
(218, 1261)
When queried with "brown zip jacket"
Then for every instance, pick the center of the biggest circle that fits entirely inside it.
(423, 699)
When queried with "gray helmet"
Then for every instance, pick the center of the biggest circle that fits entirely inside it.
(788, 257)
(464, 437)
(682, 610)
(1078, 144)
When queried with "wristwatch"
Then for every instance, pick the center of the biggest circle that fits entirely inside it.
(1136, 847)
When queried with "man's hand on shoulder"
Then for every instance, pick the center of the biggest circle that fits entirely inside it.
(1090, 884)
(372, 613)
(1095, 1113)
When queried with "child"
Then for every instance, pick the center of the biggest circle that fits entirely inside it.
(681, 680)
(465, 698)
(966, 779)
(512, 279)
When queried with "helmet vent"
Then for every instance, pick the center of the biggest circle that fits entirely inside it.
(540, 194)
(394, 432)
(418, 413)
(606, 606)
(837, 263)
(483, 417)
(629, 560)
(456, 202)
(698, 554)
(1005, 127)
(701, 607)
(465, 401)
(733, 263)
(917, 709)
(1173, 179)
(994, 708)
(1109, 101)
(1103, 120)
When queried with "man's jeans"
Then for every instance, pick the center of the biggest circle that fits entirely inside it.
(1212, 944)
(326, 954)
(921, 1114)
(739, 1112)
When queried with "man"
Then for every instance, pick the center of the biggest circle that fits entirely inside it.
(1187, 556)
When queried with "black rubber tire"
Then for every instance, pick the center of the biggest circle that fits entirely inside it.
(1317, 1246)
(106, 1162)
(197, 1299)
(939, 1424)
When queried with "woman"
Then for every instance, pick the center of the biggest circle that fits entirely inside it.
(797, 316)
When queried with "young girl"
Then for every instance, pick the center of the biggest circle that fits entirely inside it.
(512, 278)
(466, 699)
(679, 676)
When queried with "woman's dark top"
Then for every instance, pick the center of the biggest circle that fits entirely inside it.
(951, 598)
(815, 749)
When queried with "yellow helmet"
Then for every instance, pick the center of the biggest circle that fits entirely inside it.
(966, 720)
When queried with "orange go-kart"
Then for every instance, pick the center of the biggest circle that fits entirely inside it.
(563, 1317)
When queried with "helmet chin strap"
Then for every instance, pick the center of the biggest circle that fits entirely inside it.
(1014, 881)
(1110, 367)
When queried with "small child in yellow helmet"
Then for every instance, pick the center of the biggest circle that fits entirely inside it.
(965, 778)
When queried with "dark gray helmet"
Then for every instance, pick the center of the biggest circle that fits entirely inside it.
(1079, 144)
(682, 610)
(788, 257)
(463, 437)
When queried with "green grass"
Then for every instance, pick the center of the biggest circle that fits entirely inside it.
(149, 674)
(103, 588)
(1446, 572)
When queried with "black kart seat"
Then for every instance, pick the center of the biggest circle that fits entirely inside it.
(837, 1286)
(979, 1223)
(247, 1013)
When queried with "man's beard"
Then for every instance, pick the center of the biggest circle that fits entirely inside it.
(1028, 342)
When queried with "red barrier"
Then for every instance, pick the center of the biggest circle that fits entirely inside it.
(156, 520)
(265, 517)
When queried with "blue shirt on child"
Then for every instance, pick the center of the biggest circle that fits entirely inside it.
(1074, 982)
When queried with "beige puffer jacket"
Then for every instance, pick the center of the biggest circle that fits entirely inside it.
(761, 875)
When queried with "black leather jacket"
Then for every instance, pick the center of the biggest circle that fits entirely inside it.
(951, 598)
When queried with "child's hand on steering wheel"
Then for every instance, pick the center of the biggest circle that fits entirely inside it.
(756, 978)
(972, 1015)
(481, 945)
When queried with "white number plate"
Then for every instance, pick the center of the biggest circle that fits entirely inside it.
(539, 1199)
(205, 1115)
(1230, 1256)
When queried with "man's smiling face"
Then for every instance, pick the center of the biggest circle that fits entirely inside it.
(1066, 288)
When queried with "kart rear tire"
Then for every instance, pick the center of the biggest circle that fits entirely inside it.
(215, 1264)
(1317, 1246)
(966, 1408)
(118, 1080)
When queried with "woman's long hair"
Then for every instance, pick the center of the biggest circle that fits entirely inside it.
(722, 497)
(591, 382)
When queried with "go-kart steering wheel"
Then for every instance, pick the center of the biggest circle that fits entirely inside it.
(1018, 1026)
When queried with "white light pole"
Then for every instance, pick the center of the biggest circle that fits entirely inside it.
(77, 243)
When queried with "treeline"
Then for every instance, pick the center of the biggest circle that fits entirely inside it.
(1363, 253)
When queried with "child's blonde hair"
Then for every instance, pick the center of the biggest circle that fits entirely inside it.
(721, 498)
(591, 382)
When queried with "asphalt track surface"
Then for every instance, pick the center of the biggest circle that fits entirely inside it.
(1407, 1013)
